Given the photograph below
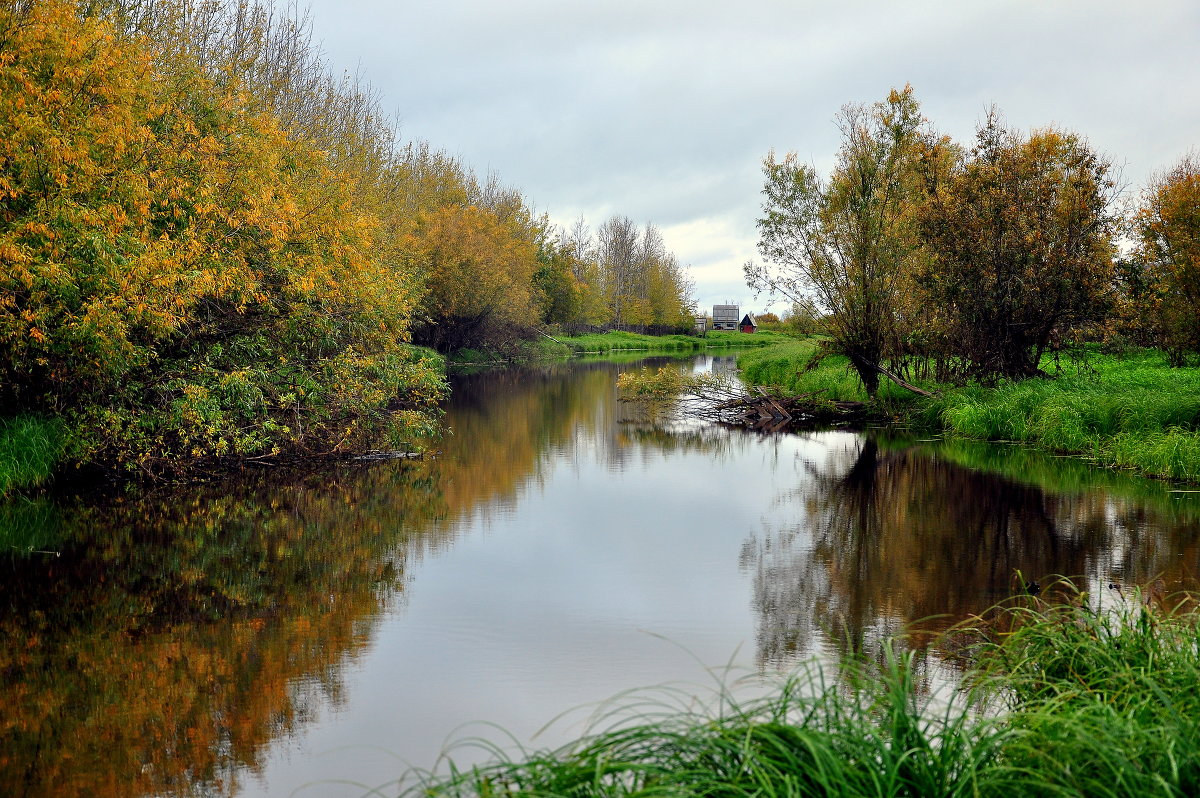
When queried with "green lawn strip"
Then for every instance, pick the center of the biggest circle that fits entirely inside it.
(562, 346)
(616, 341)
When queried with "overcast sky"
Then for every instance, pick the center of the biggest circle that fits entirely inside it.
(662, 110)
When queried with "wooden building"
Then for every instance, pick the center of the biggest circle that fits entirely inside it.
(725, 317)
(747, 324)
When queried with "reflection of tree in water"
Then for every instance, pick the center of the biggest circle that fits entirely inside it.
(177, 634)
(893, 537)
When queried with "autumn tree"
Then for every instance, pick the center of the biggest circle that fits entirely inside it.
(843, 246)
(479, 277)
(181, 275)
(1019, 242)
(768, 319)
(618, 250)
(559, 293)
(1168, 256)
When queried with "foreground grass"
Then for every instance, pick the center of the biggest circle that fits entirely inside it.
(1131, 412)
(1063, 699)
(31, 448)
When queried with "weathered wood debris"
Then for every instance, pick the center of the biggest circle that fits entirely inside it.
(767, 410)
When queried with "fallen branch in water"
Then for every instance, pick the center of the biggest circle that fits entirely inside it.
(723, 399)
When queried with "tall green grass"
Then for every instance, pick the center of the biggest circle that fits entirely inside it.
(790, 367)
(1133, 412)
(31, 447)
(1063, 699)
(1098, 701)
(873, 734)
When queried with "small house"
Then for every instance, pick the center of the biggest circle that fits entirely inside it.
(725, 317)
(747, 324)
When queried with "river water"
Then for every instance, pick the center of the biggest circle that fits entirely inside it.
(317, 633)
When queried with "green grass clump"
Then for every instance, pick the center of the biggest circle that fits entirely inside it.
(873, 735)
(787, 366)
(31, 447)
(1098, 701)
(1063, 699)
(1134, 412)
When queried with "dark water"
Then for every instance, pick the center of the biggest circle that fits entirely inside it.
(312, 634)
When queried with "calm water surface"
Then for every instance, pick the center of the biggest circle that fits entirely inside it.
(314, 634)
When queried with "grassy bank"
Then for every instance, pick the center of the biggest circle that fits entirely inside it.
(1074, 700)
(616, 341)
(1132, 411)
(560, 346)
(31, 448)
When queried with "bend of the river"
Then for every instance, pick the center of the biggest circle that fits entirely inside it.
(318, 633)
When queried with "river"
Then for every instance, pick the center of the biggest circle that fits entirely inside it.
(316, 633)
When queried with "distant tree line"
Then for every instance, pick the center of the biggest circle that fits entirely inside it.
(926, 258)
(211, 245)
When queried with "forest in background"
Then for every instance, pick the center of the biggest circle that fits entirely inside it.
(214, 247)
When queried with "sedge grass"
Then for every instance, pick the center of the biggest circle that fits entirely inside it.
(1133, 412)
(868, 735)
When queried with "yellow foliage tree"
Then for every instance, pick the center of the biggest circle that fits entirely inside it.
(181, 275)
(479, 272)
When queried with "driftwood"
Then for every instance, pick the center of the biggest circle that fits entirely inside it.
(387, 455)
(766, 410)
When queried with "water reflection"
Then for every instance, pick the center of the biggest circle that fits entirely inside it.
(896, 533)
(169, 643)
(172, 637)
(157, 644)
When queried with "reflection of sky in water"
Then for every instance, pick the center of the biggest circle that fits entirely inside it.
(561, 549)
(598, 579)
(637, 554)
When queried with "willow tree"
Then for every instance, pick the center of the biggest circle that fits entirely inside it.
(1019, 239)
(842, 247)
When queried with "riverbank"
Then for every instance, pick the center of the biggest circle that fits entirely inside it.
(1060, 697)
(616, 341)
(34, 449)
(1129, 411)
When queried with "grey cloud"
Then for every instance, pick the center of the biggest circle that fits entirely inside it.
(662, 111)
